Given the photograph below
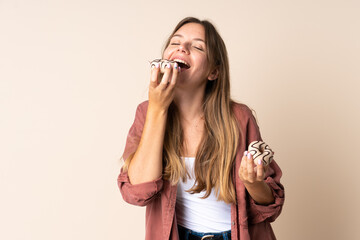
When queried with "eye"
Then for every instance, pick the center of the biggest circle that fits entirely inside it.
(174, 43)
(198, 48)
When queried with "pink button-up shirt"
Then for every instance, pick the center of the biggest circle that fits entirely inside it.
(249, 220)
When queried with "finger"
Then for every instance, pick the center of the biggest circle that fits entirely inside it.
(244, 159)
(243, 166)
(260, 170)
(250, 166)
(155, 70)
(175, 73)
(165, 79)
(249, 162)
(243, 163)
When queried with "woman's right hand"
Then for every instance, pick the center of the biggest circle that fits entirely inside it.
(161, 91)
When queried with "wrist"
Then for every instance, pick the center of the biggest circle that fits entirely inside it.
(260, 192)
(157, 110)
(255, 185)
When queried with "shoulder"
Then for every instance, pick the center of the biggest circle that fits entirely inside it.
(140, 113)
(142, 109)
(247, 122)
(143, 106)
(242, 111)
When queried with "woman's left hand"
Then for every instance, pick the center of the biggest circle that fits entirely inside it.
(250, 173)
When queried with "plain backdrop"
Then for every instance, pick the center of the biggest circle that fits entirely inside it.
(73, 71)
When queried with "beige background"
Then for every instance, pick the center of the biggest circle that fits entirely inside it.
(72, 73)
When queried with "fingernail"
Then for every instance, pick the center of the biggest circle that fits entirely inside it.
(168, 65)
(157, 65)
(175, 65)
(179, 69)
(259, 161)
(245, 153)
(249, 155)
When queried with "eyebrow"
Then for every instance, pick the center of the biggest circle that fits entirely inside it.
(196, 39)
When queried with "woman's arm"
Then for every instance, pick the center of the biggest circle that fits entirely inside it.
(262, 206)
(137, 194)
(146, 163)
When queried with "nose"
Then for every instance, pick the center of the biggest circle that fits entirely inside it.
(183, 48)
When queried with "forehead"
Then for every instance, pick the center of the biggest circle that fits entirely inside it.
(191, 30)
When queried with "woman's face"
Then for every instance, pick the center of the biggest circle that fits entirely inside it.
(187, 46)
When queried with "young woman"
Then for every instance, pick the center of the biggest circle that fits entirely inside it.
(185, 155)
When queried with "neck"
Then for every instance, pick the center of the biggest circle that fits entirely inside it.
(190, 104)
(190, 110)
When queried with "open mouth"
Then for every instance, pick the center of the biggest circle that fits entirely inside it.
(182, 64)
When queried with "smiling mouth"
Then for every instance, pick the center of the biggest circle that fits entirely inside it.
(182, 64)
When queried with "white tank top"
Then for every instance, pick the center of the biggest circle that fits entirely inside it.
(200, 215)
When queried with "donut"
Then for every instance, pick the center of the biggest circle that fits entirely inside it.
(163, 63)
(260, 150)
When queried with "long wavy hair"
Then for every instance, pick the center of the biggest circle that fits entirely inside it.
(217, 150)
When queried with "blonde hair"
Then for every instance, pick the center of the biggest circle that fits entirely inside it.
(213, 169)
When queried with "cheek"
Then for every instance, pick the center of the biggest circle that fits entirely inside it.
(203, 62)
(166, 53)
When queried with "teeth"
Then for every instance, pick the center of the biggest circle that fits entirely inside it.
(181, 61)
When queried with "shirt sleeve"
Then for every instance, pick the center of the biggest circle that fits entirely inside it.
(258, 213)
(137, 194)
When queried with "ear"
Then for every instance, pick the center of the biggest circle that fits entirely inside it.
(214, 74)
